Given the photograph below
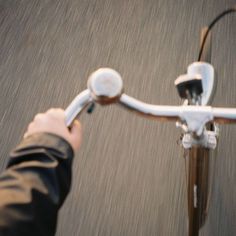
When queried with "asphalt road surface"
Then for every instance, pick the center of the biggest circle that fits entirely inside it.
(129, 176)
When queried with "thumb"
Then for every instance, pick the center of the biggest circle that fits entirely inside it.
(75, 129)
(76, 134)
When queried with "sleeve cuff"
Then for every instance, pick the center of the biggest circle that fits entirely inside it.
(48, 141)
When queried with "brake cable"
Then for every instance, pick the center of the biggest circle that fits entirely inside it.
(220, 16)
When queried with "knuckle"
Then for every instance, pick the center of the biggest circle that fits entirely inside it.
(51, 111)
(38, 117)
(56, 112)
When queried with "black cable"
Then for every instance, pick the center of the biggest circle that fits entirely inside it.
(228, 11)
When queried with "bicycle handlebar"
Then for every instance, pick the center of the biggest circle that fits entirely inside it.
(105, 87)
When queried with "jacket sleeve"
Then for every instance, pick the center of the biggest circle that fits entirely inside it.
(35, 185)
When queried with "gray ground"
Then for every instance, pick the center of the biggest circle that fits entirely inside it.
(129, 177)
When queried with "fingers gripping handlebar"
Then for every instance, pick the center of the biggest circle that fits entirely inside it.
(105, 86)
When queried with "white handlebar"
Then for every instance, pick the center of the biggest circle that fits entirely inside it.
(105, 86)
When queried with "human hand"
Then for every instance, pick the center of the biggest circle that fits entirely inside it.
(53, 121)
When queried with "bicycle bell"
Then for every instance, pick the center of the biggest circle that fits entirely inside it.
(105, 85)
